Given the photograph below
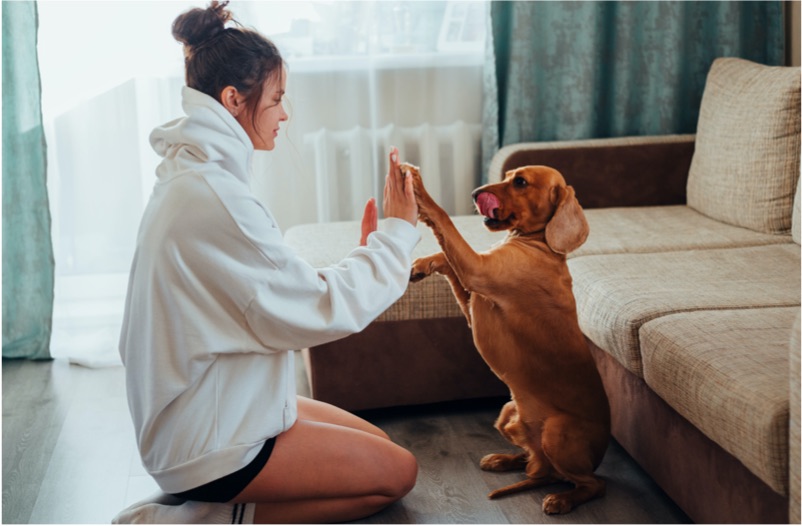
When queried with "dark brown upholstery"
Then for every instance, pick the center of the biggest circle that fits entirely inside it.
(615, 175)
(394, 363)
(723, 489)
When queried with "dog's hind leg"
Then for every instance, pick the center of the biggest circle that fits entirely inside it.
(509, 425)
(519, 486)
(573, 458)
(588, 487)
(538, 472)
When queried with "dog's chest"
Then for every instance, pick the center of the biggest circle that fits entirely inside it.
(491, 331)
(507, 335)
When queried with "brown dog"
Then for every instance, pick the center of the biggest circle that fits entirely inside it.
(518, 301)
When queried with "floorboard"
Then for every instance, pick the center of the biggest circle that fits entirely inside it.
(69, 457)
(36, 397)
(450, 439)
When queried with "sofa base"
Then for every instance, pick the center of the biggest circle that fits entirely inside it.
(724, 490)
(398, 363)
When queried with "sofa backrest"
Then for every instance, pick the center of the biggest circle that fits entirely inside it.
(746, 162)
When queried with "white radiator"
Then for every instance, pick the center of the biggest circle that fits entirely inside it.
(350, 165)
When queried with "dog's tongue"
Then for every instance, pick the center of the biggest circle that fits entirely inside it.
(487, 204)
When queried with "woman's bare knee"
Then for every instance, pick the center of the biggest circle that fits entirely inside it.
(402, 476)
(410, 476)
(321, 460)
(400, 470)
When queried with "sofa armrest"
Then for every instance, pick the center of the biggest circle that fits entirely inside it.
(622, 171)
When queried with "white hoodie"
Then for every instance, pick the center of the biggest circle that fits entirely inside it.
(216, 300)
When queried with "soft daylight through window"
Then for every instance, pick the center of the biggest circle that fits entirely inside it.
(363, 74)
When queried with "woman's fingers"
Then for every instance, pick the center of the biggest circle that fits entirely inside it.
(370, 221)
(399, 199)
(394, 170)
(394, 167)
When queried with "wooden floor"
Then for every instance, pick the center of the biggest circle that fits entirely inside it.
(69, 457)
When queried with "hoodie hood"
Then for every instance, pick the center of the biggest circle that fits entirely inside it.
(208, 134)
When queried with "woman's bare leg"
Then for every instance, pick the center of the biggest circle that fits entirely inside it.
(317, 411)
(331, 466)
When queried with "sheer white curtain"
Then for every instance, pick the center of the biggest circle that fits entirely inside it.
(362, 76)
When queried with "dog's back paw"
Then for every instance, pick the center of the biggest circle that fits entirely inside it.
(557, 503)
(502, 462)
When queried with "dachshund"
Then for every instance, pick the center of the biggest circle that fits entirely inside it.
(518, 301)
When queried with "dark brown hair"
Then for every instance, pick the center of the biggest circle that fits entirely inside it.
(216, 56)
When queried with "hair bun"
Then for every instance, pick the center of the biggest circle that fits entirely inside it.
(197, 25)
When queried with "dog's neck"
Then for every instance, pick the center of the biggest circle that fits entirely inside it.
(538, 235)
(536, 240)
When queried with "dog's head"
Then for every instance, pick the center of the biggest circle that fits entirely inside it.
(534, 199)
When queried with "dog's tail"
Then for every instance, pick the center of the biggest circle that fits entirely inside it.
(515, 488)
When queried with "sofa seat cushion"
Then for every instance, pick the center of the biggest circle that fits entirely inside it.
(746, 162)
(324, 244)
(616, 294)
(726, 372)
(663, 229)
(612, 231)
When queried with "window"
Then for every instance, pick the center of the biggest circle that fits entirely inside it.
(111, 72)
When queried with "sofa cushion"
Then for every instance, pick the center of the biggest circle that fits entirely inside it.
(663, 229)
(325, 244)
(617, 294)
(746, 161)
(612, 231)
(726, 372)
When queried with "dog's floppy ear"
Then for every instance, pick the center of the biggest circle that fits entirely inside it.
(568, 228)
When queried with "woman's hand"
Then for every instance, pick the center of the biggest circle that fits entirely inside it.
(370, 221)
(399, 195)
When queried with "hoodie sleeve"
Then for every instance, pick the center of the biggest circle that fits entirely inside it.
(291, 305)
(297, 306)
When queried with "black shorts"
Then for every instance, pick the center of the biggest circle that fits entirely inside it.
(226, 488)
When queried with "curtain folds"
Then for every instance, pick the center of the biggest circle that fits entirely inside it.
(576, 70)
(28, 266)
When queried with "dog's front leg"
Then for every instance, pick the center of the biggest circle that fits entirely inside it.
(465, 263)
(438, 264)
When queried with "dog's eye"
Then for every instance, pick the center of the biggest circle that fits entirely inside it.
(519, 182)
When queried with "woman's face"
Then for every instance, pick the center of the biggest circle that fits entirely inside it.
(262, 128)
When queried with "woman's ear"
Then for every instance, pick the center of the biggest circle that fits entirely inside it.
(232, 100)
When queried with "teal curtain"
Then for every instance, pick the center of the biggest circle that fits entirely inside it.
(564, 70)
(28, 266)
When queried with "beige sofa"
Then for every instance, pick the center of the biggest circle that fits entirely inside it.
(688, 291)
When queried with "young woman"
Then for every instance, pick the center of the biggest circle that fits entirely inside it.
(217, 303)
